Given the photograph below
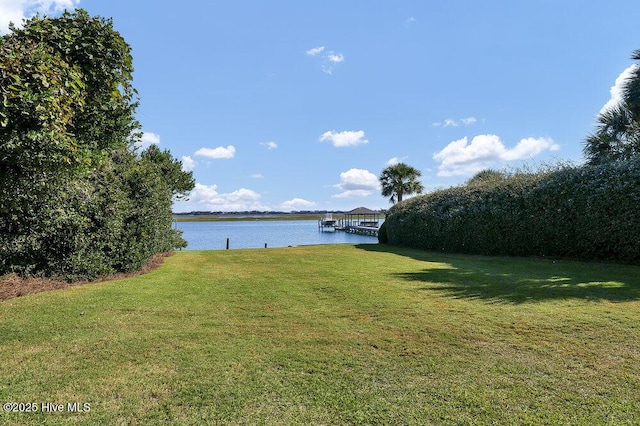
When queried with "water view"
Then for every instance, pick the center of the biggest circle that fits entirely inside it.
(255, 234)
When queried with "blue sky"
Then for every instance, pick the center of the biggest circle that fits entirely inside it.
(299, 105)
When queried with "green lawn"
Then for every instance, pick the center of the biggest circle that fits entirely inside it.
(336, 334)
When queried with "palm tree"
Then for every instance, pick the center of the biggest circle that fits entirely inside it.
(631, 91)
(617, 133)
(614, 137)
(399, 180)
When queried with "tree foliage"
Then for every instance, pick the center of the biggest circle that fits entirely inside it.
(399, 180)
(76, 199)
(617, 133)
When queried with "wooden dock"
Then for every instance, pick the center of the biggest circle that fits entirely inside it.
(361, 230)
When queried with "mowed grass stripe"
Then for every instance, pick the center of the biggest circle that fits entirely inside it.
(337, 334)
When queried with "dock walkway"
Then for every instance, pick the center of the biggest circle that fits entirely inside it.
(362, 230)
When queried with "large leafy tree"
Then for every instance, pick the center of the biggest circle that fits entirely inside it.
(67, 97)
(76, 199)
(399, 180)
(617, 132)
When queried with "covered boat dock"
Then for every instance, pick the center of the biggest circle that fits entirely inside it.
(360, 220)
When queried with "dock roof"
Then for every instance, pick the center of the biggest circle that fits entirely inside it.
(362, 210)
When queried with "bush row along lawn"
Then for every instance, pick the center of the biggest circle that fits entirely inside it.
(336, 334)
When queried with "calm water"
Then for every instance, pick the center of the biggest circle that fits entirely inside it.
(254, 234)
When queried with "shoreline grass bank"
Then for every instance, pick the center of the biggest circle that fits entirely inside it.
(229, 217)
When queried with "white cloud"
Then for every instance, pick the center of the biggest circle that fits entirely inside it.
(358, 179)
(410, 20)
(150, 138)
(217, 153)
(450, 122)
(353, 193)
(315, 51)
(345, 138)
(529, 148)
(10, 11)
(243, 194)
(187, 163)
(329, 59)
(392, 161)
(463, 158)
(16, 10)
(51, 6)
(147, 139)
(335, 58)
(357, 183)
(205, 194)
(207, 198)
(616, 89)
(395, 160)
(269, 145)
(257, 176)
(297, 204)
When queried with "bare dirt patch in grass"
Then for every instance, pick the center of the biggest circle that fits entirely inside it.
(12, 285)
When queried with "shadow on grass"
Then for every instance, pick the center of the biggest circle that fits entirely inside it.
(517, 280)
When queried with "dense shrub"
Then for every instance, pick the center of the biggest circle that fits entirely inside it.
(580, 212)
(114, 219)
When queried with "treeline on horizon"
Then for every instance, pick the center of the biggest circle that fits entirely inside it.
(583, 212)
(77, 199)
(262, 212)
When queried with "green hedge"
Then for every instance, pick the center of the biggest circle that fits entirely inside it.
(588, 212)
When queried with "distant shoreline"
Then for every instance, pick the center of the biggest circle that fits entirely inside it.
(229, 217)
